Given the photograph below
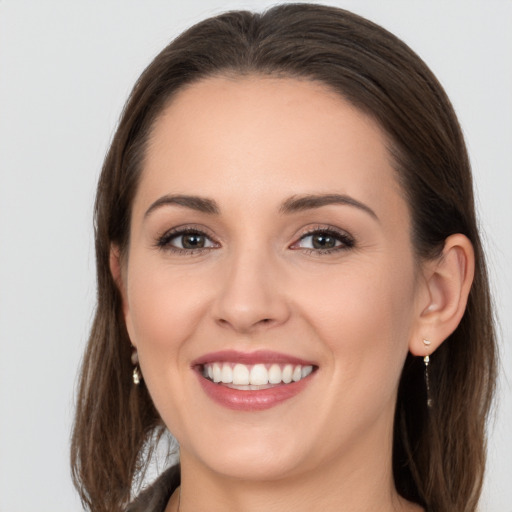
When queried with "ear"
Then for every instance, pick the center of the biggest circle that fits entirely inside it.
(115, 265)
(447, 282)
(119, 277)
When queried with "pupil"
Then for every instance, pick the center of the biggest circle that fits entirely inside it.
(323, 241)
(193, 241)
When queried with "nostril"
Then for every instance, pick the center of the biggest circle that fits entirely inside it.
(226, 322)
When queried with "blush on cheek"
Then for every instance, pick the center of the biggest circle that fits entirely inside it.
(162, 308)
(363, 319)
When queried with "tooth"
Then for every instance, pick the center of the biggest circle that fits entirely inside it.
(210, 371)
(227, 374)
(287, 373)
(240, 375)
(274, 374)
(297, 374)
(259, 375)
(306, 370)
(217, 372)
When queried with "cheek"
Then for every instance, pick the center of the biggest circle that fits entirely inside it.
(163, 307)
(365, 316)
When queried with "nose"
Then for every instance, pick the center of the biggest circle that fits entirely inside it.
(250, 295)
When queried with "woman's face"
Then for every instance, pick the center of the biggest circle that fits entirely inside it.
(270, 241)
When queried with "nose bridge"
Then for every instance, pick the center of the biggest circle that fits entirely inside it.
(250, 294)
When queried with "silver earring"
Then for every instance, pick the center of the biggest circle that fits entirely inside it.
(136, 375)
(426, 360)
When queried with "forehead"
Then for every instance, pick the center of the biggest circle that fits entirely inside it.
(265, 136)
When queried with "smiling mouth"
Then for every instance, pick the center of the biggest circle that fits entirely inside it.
(252, 381)
(252, 377)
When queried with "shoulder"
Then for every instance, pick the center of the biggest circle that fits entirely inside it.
(156, 496)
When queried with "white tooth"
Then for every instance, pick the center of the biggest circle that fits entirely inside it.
(306, 370)
(227, 374)
(217, 372)
(240, 375)
(210, 371)
(287, 373)
(259, 375)
(297, 374)
(274, 374)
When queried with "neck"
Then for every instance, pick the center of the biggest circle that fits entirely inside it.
(357, 481)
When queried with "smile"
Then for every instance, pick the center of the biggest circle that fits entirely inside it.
(257, 376)
(252, 381)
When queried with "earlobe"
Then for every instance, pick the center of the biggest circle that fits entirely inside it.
(448, 281)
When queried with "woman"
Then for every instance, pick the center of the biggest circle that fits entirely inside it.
(290, 279)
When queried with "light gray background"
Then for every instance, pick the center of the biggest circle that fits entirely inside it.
(65, 70)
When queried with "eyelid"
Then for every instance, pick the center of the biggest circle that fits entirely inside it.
(347, 240)
(163, 241)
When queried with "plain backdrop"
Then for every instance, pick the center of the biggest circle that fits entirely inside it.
(65, 70)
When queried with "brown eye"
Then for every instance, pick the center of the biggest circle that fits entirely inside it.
(191, 241)
(185, 241)
(324, 241)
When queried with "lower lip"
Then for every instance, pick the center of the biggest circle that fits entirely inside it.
(252, 400)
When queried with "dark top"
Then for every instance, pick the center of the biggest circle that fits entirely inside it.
(156, 496)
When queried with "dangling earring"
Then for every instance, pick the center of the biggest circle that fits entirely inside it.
(136, 375)
(426, 360)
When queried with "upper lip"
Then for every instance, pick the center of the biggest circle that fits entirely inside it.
(255, 357)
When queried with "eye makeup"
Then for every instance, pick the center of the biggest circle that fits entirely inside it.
(188, 240)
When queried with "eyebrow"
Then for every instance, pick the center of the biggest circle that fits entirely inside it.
(308, 202)
(200, 204)
(292, 205)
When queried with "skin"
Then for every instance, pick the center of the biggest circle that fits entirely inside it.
(250, 144)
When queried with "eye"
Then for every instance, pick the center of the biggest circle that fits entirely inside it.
(191, 241)
(324, 241)
(186, 240)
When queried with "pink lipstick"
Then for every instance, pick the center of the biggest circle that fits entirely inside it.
(252, 381)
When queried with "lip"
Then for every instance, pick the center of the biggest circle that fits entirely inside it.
(251, 400)
(258, 356)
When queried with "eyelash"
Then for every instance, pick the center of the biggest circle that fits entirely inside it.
(164, 241)
(347, 242)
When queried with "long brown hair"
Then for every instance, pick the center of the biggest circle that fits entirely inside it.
(438, 453)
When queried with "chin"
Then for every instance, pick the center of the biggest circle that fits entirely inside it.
(254, 466)
(245, 457)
